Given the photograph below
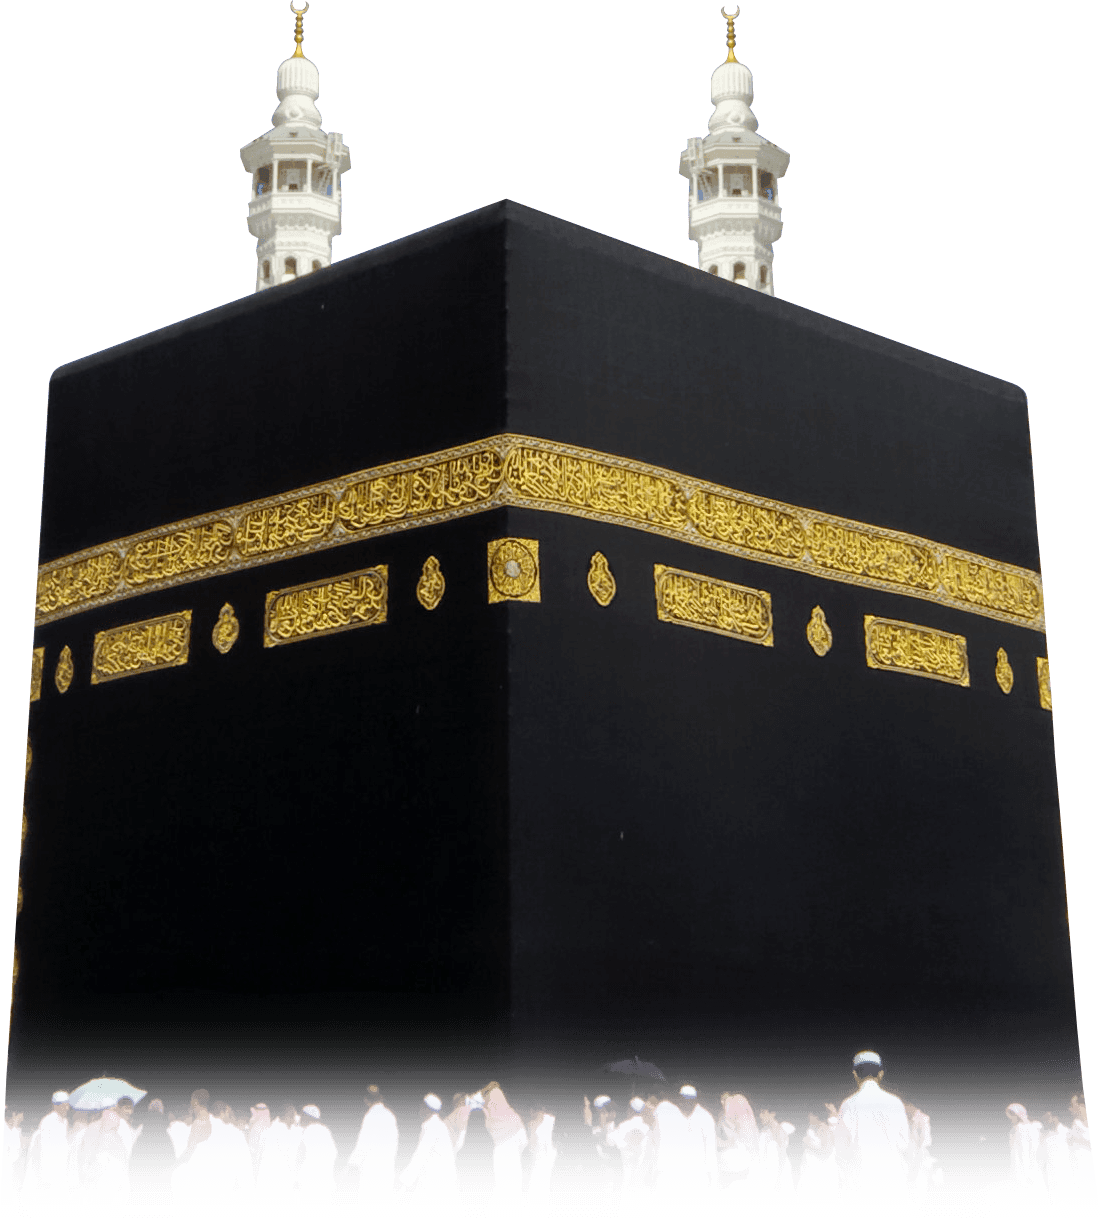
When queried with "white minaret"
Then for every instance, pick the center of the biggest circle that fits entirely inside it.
(733, 208)
(295, 209)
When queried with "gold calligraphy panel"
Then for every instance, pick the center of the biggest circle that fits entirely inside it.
(713, 604)
(327, 607)
(285, 525)
(919, 651)
(125, 651)
(197, 549)
(541, 475)
(75, 584)
(1042, 671)
(446, 485)
(38, 663)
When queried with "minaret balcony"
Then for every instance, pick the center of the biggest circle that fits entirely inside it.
(727, 205)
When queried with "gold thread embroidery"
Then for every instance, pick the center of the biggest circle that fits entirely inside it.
(543, 476)
(1003, 671)
(818, 634)
(157, 642)
(331, 606)
(286, 525)
(1042, 671)
(38, 664)
(227, 630)
(197, 549)
(71, 584)
(63, 673)
(513, 570)
(919, 651)
(703, 603)
(446, 485)
(601, 583)
(431, 585)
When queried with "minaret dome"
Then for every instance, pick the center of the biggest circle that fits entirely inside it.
(296, 177)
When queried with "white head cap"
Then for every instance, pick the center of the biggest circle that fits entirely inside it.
(867, 1057)
(1019, 1110)
(601, 1101)
(60, 1097)
(689, 1092)
(313, 1111)
(433, 1102)
(637, 1103)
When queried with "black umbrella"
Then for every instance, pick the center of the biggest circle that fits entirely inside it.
(635, 1065)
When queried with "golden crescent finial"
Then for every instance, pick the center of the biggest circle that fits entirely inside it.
(299, 13)
(731, 38)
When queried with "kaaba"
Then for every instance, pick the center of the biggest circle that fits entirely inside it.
(514, 633)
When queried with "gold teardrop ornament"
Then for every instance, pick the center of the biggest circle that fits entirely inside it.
(818, 634)
(227, 630)
(601, 583)
(431, 585)
(63, 673)
(1004, 671)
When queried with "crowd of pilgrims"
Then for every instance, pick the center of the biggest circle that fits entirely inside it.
(664, 1146)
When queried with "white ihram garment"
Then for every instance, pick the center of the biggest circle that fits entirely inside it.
(677, 1153)
(819, 1175)
(1026, 1179)
(278, 1164)
(178, 1133)
(48, 1156)
(634, 1143)
(13, 1148)
(508, 1166)
(431, 1171)
(543, 1157)
(701, 1125)
(1054, 1156)
(872, 1137)
(1080, 1149)
(317, 1163)
(104, 1163)
(375, 1152)
(219, 1167)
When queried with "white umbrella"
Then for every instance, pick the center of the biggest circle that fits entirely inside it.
(100, 1093)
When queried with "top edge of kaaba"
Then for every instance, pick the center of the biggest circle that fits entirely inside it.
(506, 213)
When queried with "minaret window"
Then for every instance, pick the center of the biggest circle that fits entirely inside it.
(763, 276)
(322, 179)
(291, 266)
(292, 175)
(738, 271)
(316, 265)
(707, 185)
(767, 185)
(263, 180)
(267, 270)
(712, 270)
(738, 180)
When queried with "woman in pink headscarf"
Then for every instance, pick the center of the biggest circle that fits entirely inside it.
(738, 1142)
(506, 1128)
(1026, 1182)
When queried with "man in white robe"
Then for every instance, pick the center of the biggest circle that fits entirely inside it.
(702, 1129)
(48, 1153)
(179, 1131)
(430, 1173)
(1055, 1158)
(375, 1152)
(104, 1161)
(819, 1176)
(675, 1154)
(544, 1154)
(1080, 1148)
(633, 1139)
(316, 1162)
(459, 1120)
(921, 1162)
(1025, 1174)
(872, 1136)
(509, 1134)
(278, 1165)
(259, 1122)
(13, 1152)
